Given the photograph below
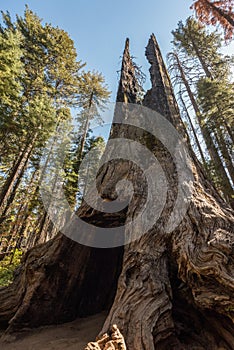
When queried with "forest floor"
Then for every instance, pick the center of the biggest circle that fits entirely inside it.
(68, 336)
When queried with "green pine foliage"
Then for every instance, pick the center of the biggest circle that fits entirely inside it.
(216, 99)
(202, 46)
(197, 61)
(42, 83)
(8, 266)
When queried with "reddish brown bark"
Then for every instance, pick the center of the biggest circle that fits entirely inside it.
(169, 290)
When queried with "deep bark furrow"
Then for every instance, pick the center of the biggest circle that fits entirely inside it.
(165, 290)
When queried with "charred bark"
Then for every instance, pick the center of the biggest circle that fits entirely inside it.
(168, 290)
(70, 277)
(176, 280)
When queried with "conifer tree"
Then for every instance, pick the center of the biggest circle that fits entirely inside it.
(216, 12)
(205, 73)
(49, 82)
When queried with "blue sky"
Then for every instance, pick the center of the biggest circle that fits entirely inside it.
(99, 28)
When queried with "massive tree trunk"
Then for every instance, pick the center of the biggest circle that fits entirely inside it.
(163, 290)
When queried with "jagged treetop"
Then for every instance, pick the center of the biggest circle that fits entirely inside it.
(128, 85)
(161, 97)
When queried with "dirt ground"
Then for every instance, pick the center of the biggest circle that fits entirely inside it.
(69, 336)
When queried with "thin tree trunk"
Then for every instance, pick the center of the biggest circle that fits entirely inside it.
(43, 220)
(225, 153)
(22, 214)
(16, 174)
(200, 58)
(43, 228)
(214, 155)
(193, 132)
(229, 130)
(209, 75)
(86, 127)
(220, 12)
(13, 193)
(12, 235)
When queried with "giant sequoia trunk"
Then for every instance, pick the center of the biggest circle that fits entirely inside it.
(164, 290)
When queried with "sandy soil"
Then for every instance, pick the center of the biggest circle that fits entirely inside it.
(72, 336)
